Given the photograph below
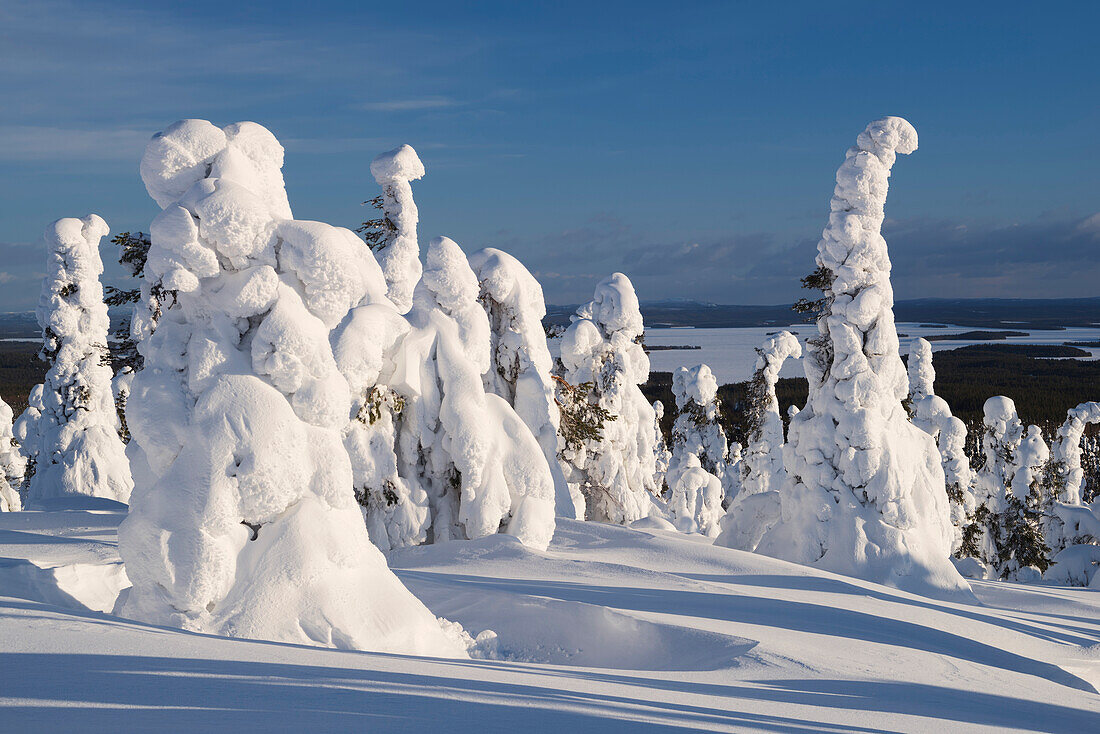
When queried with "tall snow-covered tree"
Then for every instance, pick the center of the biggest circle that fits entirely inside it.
(243, 521)
(1070, 521)
(12, 463)
(756, 507)
(1002, 433)
(481, 465)
(398, 251)
(602, 348)
(864, 490)
(662, 455)
(1020, 543)
(932, 414)
(1067, 449)
(77, 450)
(695, 501)
(520, 365)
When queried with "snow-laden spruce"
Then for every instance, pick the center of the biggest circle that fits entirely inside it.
(480, 464)
(243, 521)
(12, 463)
(75, 443)
(1002, 433)
(864, 493)
(399, 256)
(1067, 449)
(1071, 522)
(602, 347)
(1022, 553)
(662, 457)
(697, 472)
(932, 415)
(520, 365)
(756, 507)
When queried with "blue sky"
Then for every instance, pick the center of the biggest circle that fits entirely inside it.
(689, 145)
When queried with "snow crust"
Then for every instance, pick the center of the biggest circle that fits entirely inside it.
(72, 429)
(243, 521)
(864, 494)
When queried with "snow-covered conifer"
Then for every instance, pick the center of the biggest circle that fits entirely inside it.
(77, 449)
(864, 490)
(12, 463)
(932, 414)
(1067, 449)
(697, 433)
(520, 366)
(602, 348)
(25, 430)
(1002, 433)
(1019, 541)
(662, 456)
(482, 467)
(399, 253)
(756, 507)
(243, 521)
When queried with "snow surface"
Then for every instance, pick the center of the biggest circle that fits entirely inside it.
(610, 629)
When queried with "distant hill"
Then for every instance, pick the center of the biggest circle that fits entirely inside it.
(1047, 313)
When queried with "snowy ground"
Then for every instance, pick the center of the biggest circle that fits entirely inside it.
(611, 629)
(731, 352)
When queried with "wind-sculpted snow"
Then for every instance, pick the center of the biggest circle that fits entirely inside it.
(864, 494)
(400, 255)
(521, 364)
(615, 473)
(243, 521)
(12, 463)
(756, 507)
(74, 441)
(482, 467)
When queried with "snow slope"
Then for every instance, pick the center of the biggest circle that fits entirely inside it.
(610, 629)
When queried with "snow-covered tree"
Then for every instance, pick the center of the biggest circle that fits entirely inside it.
(932, 415)
(1019, 541)
(12, 463)
(602, 348)
(762, 463)
(695, 496)
(77, 449)
(483, 469)
(697, 432)
(755, 509)
(662, 455)
(1067, 449)
(520, 366)
(25, 430)
(243, 521)
(399, 253)
(864, 490)
(1002, 434)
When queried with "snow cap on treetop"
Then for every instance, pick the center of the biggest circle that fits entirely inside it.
(999, 409)
(399, 164)
(694, 383)
(615, 306)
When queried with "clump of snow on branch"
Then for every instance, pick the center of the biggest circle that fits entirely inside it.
(77, 450)
(399, 256)
(243, 521)
(756, 507)
(481, 465)
(864, 494)
(520, 365)
(932, 415)
(699, 452)
(602, 347)
(12, 463)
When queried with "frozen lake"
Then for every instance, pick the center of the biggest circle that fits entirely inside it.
(730, 353)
